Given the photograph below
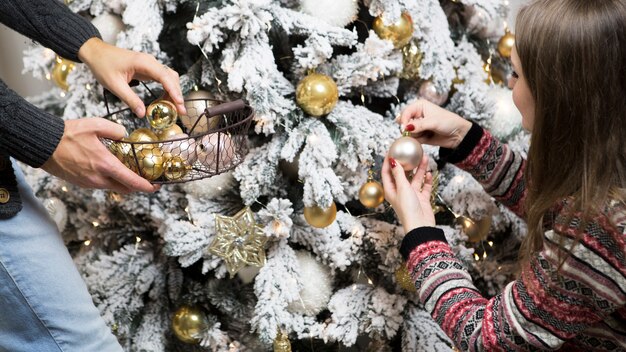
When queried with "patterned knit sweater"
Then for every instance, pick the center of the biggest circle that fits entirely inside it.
(580, 308)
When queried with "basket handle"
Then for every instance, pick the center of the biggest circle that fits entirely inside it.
(225, 108)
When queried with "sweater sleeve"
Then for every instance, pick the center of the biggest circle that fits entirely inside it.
(580, 307)
(498, 169)
(27, 133)
(50, 23)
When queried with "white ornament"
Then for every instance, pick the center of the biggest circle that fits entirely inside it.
(57, 210)
(212, 186)
(181, 145)
(248, 273)
(429, 92)
(506, 120)
(481, 24)
(334, 12)
(316, 286)
(109, 26)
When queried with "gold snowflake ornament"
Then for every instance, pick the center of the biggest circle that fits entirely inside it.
(240, 241)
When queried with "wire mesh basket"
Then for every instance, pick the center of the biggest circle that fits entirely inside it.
(210, 139)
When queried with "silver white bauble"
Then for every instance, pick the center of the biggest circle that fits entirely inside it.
(429, 92)
(334, 12)
(507, 120)
(195, 108)
(248, 273)
(216, 151)
(211, 187)
(181, 145)
(57, 210)
(481, 24)
(317, 286)
(109, 26)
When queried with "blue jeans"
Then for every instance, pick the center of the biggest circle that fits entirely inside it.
(44, 303)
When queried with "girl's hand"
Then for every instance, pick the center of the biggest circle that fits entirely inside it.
(410, 200)
(114, 67)
(434, 125)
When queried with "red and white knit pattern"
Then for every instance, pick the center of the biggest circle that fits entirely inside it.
(579, 308)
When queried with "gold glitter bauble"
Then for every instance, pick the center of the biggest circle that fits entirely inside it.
(404, 279)
(506, 44)
(60, 71)
(411, 61)
(319, 217)
(399, 32)
(282, 343)
(161, 114)
(371, 194)
(317, 94)
(124, 152)
(407, 152)
(175, 168)
(189, 324)
(196, 102)
(150, 162)
(169, 132)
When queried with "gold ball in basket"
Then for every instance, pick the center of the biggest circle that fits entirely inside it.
(320, 217)
(169, 132)
(150, 162)
(216, 151)
(407, 152)
(189, 323)
(161, 114)
(60, 71)
(317, 94)
(399, 32)
(371, 194)
(506, 44)
(181, 145)
(142, 135)
(175, 168)
(196, 102)
(124, 153)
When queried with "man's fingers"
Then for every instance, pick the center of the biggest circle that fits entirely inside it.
(128, 96)
(129, 179)
(106, 129)
(150, 68)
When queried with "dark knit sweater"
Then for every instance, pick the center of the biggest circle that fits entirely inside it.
(579, 308)
(27, 133)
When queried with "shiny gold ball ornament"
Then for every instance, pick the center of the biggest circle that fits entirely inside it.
(282, 343)
(161, 114)
(169, 132)
(196, 102)
(371, 194)
(399, 32)
(407, 152)
(189, 324)
(60, 71)
(175, 168)
(506, 44)
(476, 231)
(404, 279)
(142, 135)
(150, 162)
(320, 217)
(317, 94)
(124, 152)
(411, 61)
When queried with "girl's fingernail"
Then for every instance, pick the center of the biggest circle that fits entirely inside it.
(392, 162)
(410, 128)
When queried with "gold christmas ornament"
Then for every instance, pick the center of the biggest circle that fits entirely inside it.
(371, 194)
(404, 279)
(142, 135)
(506, 44)
(476, 231)
(124, 153)
(407, 152)
(282, 343)
(189, 324)
(411, 61)
(319, 217)
(195, 103)
(181, 145)
(161, 114)
(399, 32)
(317, 94)
(169, 132)
(175, 168)
(60, 71)
(239, 241)
(150, 162)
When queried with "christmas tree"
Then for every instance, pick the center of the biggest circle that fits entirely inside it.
(291, 243)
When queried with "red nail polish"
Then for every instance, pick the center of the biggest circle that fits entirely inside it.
(392, 162)
(410, 128)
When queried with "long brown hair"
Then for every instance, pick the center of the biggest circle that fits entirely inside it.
(573, 56)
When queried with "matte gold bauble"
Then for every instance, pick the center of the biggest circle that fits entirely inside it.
(282, 343)
(180, 145)
(150, 162)
(216, 151)
(169, 132)
(60, 71)
(506, 44)
(371, 194)
(317, 94)
(189, 324)
(399, 32)
(319, 217)
(404, 279)
(175, 168)
(161, 114)
(196, 102)
(407, 152)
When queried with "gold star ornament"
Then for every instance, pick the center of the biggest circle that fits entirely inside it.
(240, 241)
